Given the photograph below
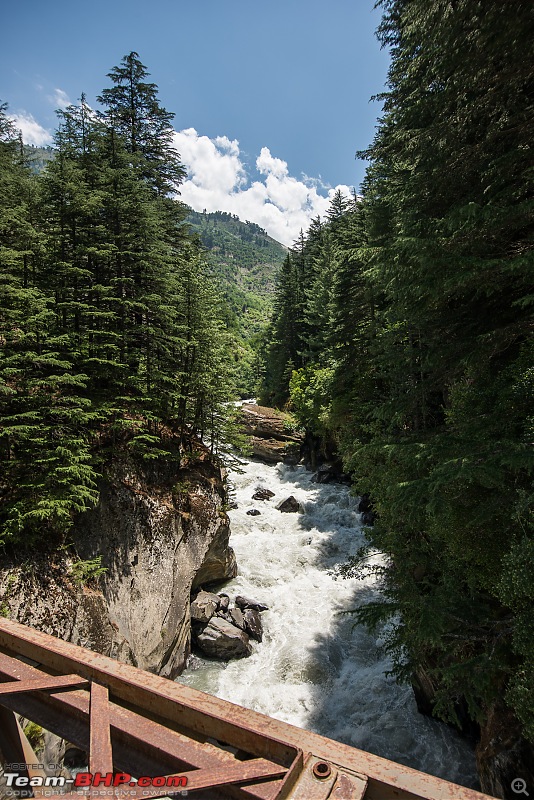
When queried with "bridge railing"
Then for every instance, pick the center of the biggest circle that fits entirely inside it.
(146, 737)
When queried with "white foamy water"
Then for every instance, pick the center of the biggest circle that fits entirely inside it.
(314, 668)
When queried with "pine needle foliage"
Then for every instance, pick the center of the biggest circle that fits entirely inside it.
(109, 325)
(426, 315)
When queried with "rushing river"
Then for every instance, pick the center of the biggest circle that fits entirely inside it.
(314, 668)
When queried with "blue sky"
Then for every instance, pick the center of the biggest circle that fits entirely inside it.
(272, 99)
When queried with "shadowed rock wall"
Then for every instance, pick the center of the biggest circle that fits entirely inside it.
(161, 531)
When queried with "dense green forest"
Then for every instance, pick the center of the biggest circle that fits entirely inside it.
(112, 332)
(402, 332)
(244, 261)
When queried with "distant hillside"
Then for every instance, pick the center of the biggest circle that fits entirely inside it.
(37, 157)
(246, 261)
(242, 251)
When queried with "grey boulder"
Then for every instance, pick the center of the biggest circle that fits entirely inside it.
(263, 494)
(204, 606)
(247, 602)
(289, 506)
(237, 618)
(224, 602)
(220, 639)
(253, 625)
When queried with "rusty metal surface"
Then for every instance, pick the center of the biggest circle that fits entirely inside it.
(197, 717)
(315, 781)
(16, 749)
(291, 777)
(241, 772)
(100, 754)
(349, 788)
(320, 780)
(133, 729)
(42, 684)
(140, 745)
(192, 710)
(203, 779)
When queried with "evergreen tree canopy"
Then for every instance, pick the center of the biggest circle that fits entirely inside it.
(133, 110)
(424, 374)
(109, 324)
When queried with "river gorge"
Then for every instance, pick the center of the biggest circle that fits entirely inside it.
(315, 668)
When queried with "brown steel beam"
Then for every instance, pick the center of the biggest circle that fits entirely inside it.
(308, 786)
(320, 780)
(17, 751)
(352, 788)
(243, 772)
(11, 744)
(240, 772)
(192, 710)
(100, 754)
(42, 684)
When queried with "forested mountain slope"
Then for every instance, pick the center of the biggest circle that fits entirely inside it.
(38, 157)
(245, 262)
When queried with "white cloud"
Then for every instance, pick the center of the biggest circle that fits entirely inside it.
(268, 165)
(214, 166)
(32, 132)
(59, 99)
(217, 181)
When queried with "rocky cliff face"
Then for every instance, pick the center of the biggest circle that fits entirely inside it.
(270, 434)
(161, 531)
(503, 754)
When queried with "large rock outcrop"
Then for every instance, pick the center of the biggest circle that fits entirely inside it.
(223, 631)
(160, 531)
(223, 640)
(272, 437)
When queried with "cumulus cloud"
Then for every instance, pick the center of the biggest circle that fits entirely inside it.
(32, 132)
(268, 165)
(218, 181)
(213, 164)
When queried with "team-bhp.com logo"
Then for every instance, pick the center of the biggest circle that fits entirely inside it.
(91, 780)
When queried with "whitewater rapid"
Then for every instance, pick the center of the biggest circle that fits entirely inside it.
(315, 668)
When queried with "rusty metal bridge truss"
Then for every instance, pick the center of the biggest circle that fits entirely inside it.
(135, 722)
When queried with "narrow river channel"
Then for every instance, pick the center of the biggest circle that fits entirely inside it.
(314, 668)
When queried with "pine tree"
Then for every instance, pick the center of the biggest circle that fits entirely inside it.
(110, 327)
(425, 376)
(48, 474)
(448, 207)
(283, 350)
(133, 110)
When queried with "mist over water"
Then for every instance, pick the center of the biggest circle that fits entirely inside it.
(315, 668)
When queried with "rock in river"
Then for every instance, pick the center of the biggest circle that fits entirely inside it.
(253, 625)
(263, 494)
(247, 602)
(204, 606)
(237, 618)
(291, 505)
(221, 639)
(224, 602)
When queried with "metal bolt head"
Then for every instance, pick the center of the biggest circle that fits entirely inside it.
(322, 770)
